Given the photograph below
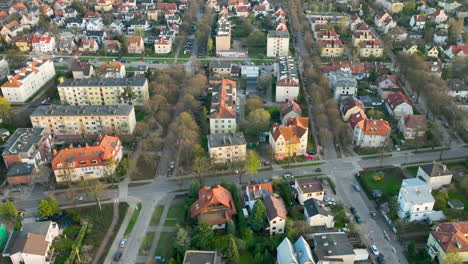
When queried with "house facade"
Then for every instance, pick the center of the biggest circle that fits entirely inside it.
(227, 148)
(342, 83)
(112, 69)
(448, 238)
(415, 201)
(413, 126)
(369, 133)
(350, 105)
(398, 105)
(276, 214)
(135, 45)
(41, 45)
(277, 43)
(436, 174)
(287, 89)
(290, 109)
(317, 214)
(308, 188)
(289, 140)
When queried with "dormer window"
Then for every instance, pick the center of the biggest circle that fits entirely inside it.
(94, 162)
(59, 165)
(71, 164)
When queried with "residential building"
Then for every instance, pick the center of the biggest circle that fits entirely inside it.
(457, 88)
(256, 192)
(117, 27)
(398, 105)
(4, 68)
(418, 22)
(411, 49)
(12, 29)
(111, 46)
(331, 48)
(455, 51)
(82, 69)
(221, 67)
(290, 109)
(439, 16)
(371, 48)
(85, 120)
(227, 148)
(135, 45)
(392, 6)
(369, 133)
(436, 174)
(360, 70)
(289, 140)
(223, 34)
(415, 201)
(413, 126)
(384, 22)
(23, 43)
(32, 244)
(88, 46)
(277, 43)
(360, 36)
(95, 24)
(103, 91)
(222, 111)
(276, 214)
(214, 206)
(354, 119)
(42, 45)
(342, 83)
(201, 257)
(330, 246)
(20, 173)
(449, 238)
(350, 105)
(287, 84)
(441, 37)
(27, 145)
(67, 46)
(308, 188)
(318, 214)
(433, 52)
(112, 69)
(28, 80)
(89, 162)
(162, 46)
(299, 253)
(103, 5)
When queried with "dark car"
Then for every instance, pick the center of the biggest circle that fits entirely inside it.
(373, 214)
(380, 260)
(358, 219)
(117, 256)
(41, 218)
(318, 170)
(353, 210)
(312, 153)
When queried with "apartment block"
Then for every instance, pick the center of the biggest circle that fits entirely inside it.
(277, 43)
(287, 84)
(85, 120)
(229, 147)
(222, 111)
(28, 80)
(103, 91)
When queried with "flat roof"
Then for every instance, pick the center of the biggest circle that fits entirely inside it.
(22, 140)
(227, 139)
(82, 110)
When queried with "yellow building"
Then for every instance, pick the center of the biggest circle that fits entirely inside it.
(412, 49)
(361, 36)
(433, 52)
(152, 15)
(371, 48)
(85, 120)
(103, 91)
(103, 5)
(332, 48)
(290, 140)
(447, 239)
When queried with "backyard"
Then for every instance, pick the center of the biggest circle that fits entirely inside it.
(387, 180)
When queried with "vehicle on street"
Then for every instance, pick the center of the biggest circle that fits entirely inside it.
(123, 243)
(329, 199)
(357, 218)
(373, 214)
(117, 256)
(445, 124)
(353, 210)
(41, 218)
(397, 148)
(312, 153)
(343, 229)
(374, 250)
(79, 198)
(356, 187)
(380, 260)
(172, 164)
(288, 175)
(160, 259)
(318, 170)
(309, 157)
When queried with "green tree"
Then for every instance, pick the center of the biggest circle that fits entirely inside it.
(8, 211)
(128, 95)
(252, 163)
(231, 228)
(393, 205)
(253, 102)
(203, 237)
(138, 32)
(210, 44)
(5, 109)
(182, 242)
(256, 39)
(201, 165)
(441, 199)
(49, 207)
(233, 252)
(259, 120)
(375, 114)
(258, 218)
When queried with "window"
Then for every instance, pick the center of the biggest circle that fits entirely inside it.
(274, 228)
(274, 222)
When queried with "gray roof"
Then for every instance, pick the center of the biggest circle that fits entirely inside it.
(220, 64)
(435, 169)
(23, 140)
(200, 257)
(315, 207)
(20, 169)
(227, 139)
(278, 34)
(39, 228)
(416, 191)
(285, 252)
(332, 244)
(304, 254)
(342, 79)
(82, 110)
(103, 82)
(286, 68)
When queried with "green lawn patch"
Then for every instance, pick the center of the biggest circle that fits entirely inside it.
(376, 157)
(146, 244)
(413, 170)
(246, 257)
(303, 165)
(388, 181)
(139, 115)
(61, 68)
(309, 175)
(430, 150)
(157, 212)
(165, 246)
(177, 211)
(340, 216)
(133, 220)
(170, 222)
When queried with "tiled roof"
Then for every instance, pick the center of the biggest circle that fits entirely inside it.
(396, 99)
(111, 66)
(452, 237)
(15, 81)
(290, 106)
(350, 102)
(354, 119)
(374, 127)
(415, 121)
(275, 207)
(210, 199)
(166, 6)
(288, 81)
(309, 185)
(223, 112)
(435, 169)
(46, 40)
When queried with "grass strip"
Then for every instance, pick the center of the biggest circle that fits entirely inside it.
(309, 175)
(376, 157)
(303, 165)
(146, 244)
(157, 215)
(133, 220)
(430, 150)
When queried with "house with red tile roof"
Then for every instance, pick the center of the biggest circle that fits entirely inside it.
(350, 105)
(449, 238)
(89, 162)
(162, 7)
(47, 10)
(112, 69)
(370, 133)
(135, 45)
(223, 108)
(19, 7)
(398, 105)
(214, 206)
(12, 29)
(291, 139)
(290, 109)
(88, 46)
(413, 126)
(360, 70)
(162, 45)
(256, 192)
(354, 119)
(42, 45)
(276, 214)
(287, 89)
(456, 50)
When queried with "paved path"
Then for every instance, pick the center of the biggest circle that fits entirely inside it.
(105, 241)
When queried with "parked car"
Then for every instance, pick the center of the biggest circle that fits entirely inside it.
(312, 153)
(356, 187)
(160, 259)
(318, 170)
(117, 256)
(123, 243)
(309, 157)
(373, 214)
(329, 199)
(172, 164)
(343, 229)
(353, 210)
(288, 175)
(380, 260)
(374, 250)
(358, 219)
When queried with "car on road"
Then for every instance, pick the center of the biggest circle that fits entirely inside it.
(373, 214)
(160, 259)
(343, 229)
(356, 188)
(123, 243)
(172, 164)
(353, 210)
(358, 219)
(312, 153)
(374, 250)
(445, 124)
(329, 199)
(288, 175)
(117, 256)
(397, 148)
(40, 218)
(380, 260)
(318, 170)
(310, 157)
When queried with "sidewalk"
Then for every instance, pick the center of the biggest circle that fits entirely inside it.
(115, 247)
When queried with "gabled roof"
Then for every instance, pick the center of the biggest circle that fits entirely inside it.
(223, 112)
(435, 169)
(457, 49)
(290, 106)
(315, 207)
(354, 119)
(285, 252)
(210, 199)
(350, 102)
(111, 66)
(415, 121)
(309, 185)
(374, 127)
(275, 208)
(304, 253)
(396, 99)
(83, 66)
(294, 130)
(288, 81)
(452, 237)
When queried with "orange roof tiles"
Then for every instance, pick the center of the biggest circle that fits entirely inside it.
(213, 199)
(452, 237)
(111, 66)
(374, 127)
(296, 127)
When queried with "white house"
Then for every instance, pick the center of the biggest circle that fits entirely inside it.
(316, 214)
(457, 88)
(95, 24)
(162, 46)
(276, 214)
(299, 253)
(308, 188)
(415, 201)
(418, 22)
(287, 89)
(436, 174)
(385, 22)
(43, 44)
(371, 133)
(398, 105)
(342, 83)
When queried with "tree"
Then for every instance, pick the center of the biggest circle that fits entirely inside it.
(258, 218)
(259, 120)
(5, 109)
(464, 185)
(49, 207)
(128, 95)
(138, 32)
(96, 189)
(256, 39)
(252, 162)
(203, 237)
(253, 102)
(233, 252)
(182, 242)
(264, 82)
(453, 258)
(210, 44)
(201, 165)
(393, 205)
(441, 199)
(231, 228)
(375, 114)
(8, 211)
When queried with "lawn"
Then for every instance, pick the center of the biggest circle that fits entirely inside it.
(139, 115)
(170, 222)
(177, 210)
(146, 171)
(246, 257)
(388, 181)
(303, 165)
(340, 216)
(146, 244)
(133, 220)
(165, 246)
(157, 215)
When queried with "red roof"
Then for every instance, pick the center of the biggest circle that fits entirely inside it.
(296, 127)
(354, 119)
(215, 200)
(166, 6)
(456, 49)
(396, 99)
(351, 102)
(290, 106)
(242, 9)
(452, 237)
(356, 67)
(374, 127)
(331, 43)
(288, 81)
(275, 208)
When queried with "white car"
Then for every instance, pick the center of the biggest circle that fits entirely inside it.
(374, 250)
(123, 243)
(329, 199)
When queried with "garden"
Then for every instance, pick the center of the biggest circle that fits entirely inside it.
(387, 180)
